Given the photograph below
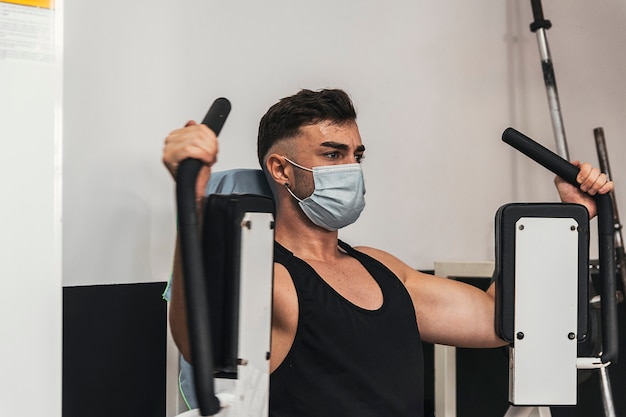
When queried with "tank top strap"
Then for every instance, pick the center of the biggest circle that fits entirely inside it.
(385, 277)
(282, 255)
(303, 276)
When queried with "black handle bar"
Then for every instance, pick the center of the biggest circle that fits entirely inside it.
(606, 240)
(193, 270)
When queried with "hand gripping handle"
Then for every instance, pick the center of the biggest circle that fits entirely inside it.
(189, 168)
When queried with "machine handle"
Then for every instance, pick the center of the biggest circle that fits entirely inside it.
(606, 241)
(541, 155)
(193, 270)
(189, 168)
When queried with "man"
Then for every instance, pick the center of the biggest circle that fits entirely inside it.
(347, 322)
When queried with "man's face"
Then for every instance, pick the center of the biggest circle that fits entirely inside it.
(324, 143)
(327, 143)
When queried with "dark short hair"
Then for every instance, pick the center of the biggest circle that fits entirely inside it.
(285, 118)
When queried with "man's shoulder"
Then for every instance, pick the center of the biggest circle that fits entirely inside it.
(373, 252)
(402, 270)
(384, 257)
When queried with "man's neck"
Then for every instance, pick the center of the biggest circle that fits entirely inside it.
(306, 240)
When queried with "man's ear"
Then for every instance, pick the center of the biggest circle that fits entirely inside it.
(278, 169)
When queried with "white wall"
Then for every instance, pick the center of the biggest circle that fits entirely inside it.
(30, 213)
(435, 84)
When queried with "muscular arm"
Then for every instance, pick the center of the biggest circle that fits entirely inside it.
(177, 308)
(178, 304)
(458, 314)
(284, 316)
(447, 311)
(453, 313)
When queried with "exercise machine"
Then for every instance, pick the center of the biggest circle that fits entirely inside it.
(233, 377)
(540, 26)
(542, 260)
(228, 291)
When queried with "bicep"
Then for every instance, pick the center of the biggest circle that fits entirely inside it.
(447, 311)
(451, 312)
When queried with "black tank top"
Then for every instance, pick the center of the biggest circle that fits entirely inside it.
(347, 361)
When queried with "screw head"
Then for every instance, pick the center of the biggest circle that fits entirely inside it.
(520, 335)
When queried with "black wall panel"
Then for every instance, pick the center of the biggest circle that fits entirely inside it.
(114, 350)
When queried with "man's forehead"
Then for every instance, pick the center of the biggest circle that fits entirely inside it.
(331, 134)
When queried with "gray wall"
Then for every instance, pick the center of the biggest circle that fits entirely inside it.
(435, 84)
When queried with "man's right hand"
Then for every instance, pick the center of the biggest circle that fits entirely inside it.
(193, 141)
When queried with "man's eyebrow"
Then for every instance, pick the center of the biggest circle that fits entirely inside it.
(341, 146)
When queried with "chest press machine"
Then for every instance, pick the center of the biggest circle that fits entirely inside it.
(542, 258)
(542, 266)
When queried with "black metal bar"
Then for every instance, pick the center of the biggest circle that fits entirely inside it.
(603, 157)
(540, 26)
(193, 271)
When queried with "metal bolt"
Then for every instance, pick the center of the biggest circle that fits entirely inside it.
(520, 335)
(247, 224)
(521, 227)
(572, 228)
(571, 336)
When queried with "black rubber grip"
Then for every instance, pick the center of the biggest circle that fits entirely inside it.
(217, 114)
(542, 155)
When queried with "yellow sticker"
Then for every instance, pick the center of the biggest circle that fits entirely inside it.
(46, 4)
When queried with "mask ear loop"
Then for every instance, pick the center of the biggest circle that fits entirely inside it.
(291, 192)
(297, 165)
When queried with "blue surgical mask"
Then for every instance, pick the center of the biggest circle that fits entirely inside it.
(339, 195)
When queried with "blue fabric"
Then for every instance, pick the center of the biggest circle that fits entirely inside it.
(251, 181)
(186, 385)
(234, 181)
